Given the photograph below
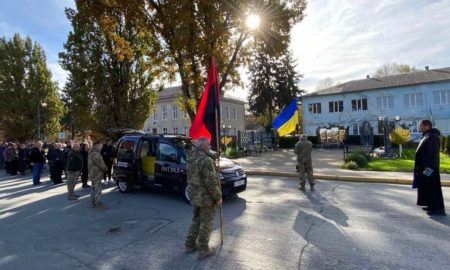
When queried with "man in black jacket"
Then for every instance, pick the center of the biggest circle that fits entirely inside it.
(73, 168)
(108, 157)
(37, 160)
(426, 171)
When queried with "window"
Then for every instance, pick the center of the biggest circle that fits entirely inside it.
(164, 130)
(441, 97)
(233, 113)
(227, 113)
(125, 150)
(385, 102)
(443, 125)
(315, 108)
(413, 100)
(167, 152)
(155, 115)
(174, 112)
(175, 130)
(359, 104)
(336, 106)
(163, 113)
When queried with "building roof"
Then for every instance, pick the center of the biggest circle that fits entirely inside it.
(405, 79)
(171, 92)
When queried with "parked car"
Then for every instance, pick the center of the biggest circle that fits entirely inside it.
(160, 161)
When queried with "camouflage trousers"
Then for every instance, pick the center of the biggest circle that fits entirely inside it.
(96, 191)
(305, 169)
(71, 181)
(201, 228)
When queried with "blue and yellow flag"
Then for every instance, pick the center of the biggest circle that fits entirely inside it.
(287, 120)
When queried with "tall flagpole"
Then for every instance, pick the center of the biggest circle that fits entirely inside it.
(218, 174)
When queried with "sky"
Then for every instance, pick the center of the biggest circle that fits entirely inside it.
(338, 39)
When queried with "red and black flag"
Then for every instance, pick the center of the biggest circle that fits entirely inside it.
(207, 119)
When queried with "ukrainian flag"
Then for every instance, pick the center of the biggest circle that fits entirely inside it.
(287, 120)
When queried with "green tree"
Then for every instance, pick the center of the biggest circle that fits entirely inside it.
(186, 33)
(25, 84)
(392, 69)
(111, 75)
(447, 148)
(273, 83)
(399, 136)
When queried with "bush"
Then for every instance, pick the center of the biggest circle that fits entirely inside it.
(351, 165)
(358, 158)
(443, 144)
(447, 142)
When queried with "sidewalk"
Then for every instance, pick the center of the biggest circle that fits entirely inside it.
(327, 165)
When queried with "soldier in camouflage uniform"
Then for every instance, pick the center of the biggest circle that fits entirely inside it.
(303, 149)
(97, 168)
(73, 167)
(204, 194)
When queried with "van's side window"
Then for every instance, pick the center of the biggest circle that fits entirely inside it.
(167, 152)
(125, 150)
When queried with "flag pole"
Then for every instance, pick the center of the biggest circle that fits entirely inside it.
(218, 174)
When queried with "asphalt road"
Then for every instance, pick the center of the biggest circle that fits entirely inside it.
(272, 225)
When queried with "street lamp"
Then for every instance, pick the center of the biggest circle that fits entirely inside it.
(385, 134)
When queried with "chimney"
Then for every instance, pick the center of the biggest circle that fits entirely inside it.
(427, 67)
(367, 76)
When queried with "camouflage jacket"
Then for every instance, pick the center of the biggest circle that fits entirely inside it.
(202, 179)
(96, 165)
(303, 150)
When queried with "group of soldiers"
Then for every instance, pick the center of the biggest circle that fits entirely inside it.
(72, 159)
(205, 194)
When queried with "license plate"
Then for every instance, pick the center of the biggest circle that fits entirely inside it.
(239, 183)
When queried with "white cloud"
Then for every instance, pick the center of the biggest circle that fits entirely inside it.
(345, 40)
(58, 74)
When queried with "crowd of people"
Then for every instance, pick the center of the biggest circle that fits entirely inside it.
(88, 162)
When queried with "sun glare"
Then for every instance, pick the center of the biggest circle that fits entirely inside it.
(253, 21)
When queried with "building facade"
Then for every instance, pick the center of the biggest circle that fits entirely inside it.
(369, 104)
(168, 118)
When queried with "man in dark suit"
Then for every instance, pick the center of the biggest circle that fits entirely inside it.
(426, 171)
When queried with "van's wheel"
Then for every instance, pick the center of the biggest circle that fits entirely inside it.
(124, 186)
(186, 193)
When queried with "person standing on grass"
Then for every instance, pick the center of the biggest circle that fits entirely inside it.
(427, 178)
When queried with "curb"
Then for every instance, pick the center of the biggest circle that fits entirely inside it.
(397, 181)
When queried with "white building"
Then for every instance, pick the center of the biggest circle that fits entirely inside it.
(167, 118)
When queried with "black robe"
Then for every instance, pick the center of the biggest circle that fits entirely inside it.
(429, 191)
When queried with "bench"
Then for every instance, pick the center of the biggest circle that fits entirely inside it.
(348, 149)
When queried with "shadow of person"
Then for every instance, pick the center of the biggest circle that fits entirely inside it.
(327, 209)
(327, 246)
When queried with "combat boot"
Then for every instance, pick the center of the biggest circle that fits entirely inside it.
(100, 206)
(72, 197)
(208, 253)
(312, 188)
(190, 249)
(302, 188)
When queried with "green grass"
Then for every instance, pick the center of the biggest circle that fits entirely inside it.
(404, 164)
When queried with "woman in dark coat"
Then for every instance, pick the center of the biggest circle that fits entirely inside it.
(426, 171)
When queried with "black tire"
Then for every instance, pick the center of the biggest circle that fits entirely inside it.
(186, 193)
(124, 186)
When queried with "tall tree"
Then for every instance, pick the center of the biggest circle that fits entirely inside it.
(111, 75)
(188, 32)
(273, 83)
(392, 69)
(28, 96)
(326, 83)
